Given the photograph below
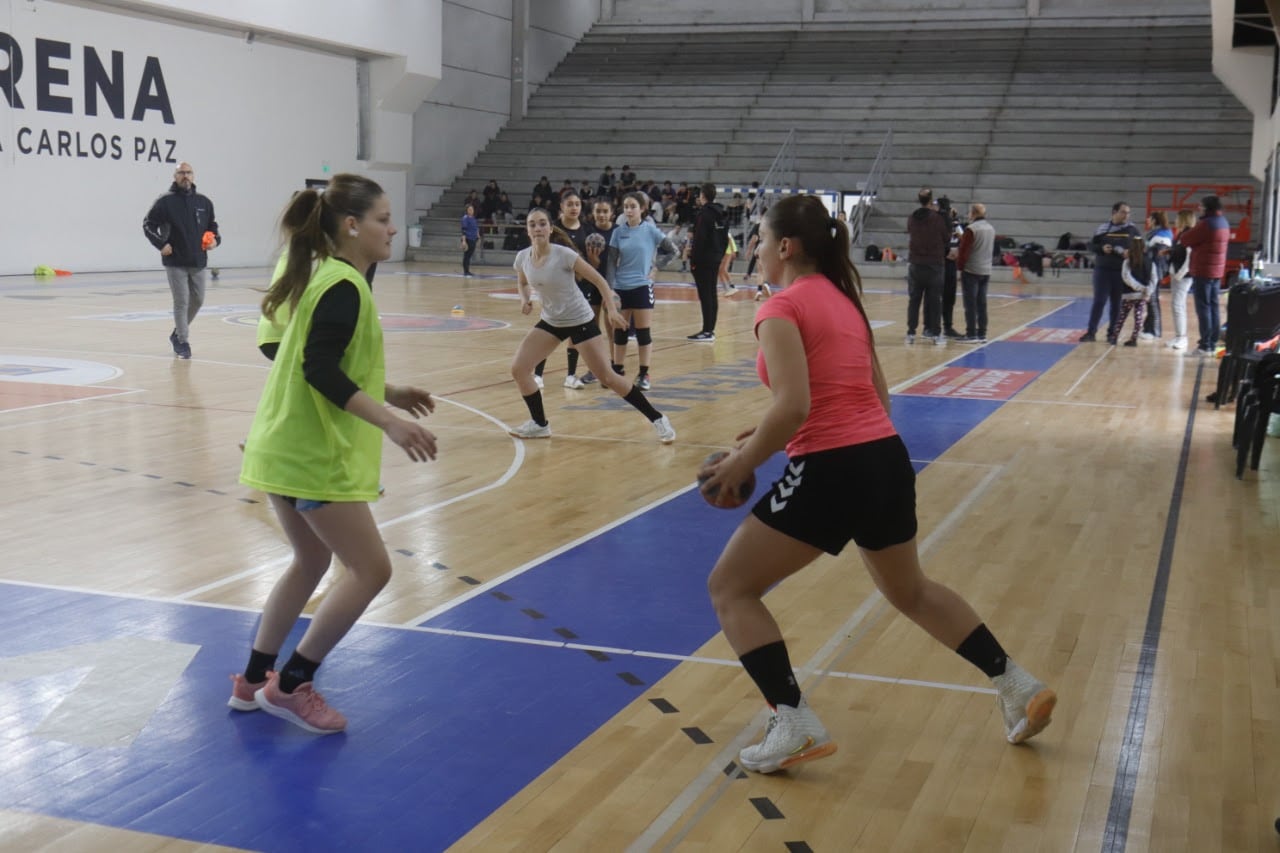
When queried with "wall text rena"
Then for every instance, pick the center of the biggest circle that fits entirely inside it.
(100, 85)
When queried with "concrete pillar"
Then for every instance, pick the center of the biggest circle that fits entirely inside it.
(606, 10)
(807, 10)
(519, 32)
(1033, 8)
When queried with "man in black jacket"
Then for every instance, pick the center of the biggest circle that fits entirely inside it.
(928, 236)
(1110, 244)
(176, 225)
(706, 249)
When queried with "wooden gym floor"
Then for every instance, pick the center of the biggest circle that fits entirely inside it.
(544, 671)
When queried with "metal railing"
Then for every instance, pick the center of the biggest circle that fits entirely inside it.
(871, 188)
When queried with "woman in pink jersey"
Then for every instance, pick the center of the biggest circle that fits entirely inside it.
(830, 411)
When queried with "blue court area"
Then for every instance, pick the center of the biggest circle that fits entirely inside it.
(443, 728)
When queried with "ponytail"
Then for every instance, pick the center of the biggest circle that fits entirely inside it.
(825, 240)
(309, 226)
(305, 242)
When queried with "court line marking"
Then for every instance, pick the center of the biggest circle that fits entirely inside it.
(122, 392)
(1092, 367)
(1073, 403)
(812, 674)
(1124, 788)
(501, 638)
(84, 413)
(511, 471)
(968, 348)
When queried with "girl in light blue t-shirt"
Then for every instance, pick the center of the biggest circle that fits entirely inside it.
(632, 247)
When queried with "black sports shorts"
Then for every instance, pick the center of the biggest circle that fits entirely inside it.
(864, 492)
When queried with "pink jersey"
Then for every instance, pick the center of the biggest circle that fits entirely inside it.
(844, 407)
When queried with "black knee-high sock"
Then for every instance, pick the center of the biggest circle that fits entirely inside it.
(534, 402)
(770, 668)
(259, 663)
(573, 361)
(644, 370)
(618, 369)
(637, 398)
(296, 672)
(982, 650)
(542, 365)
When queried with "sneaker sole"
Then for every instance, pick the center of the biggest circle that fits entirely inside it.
(289, 716)
(822, 750)
(1039, 715)
(235, 703)
(527, 437)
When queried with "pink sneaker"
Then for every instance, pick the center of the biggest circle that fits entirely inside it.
(242, 694)
(303, 707)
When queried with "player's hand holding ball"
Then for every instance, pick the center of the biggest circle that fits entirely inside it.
(725, 480)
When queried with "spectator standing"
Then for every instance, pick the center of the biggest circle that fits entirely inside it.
(1208, 244)
(973, 258)
(705, 251)
(1180, 280)
(1140, 282)
(1159, 241)
(928, 235)
(470, 236)
(949, 266)
(1110, 241)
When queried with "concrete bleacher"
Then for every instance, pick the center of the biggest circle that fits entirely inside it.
(1046, 124)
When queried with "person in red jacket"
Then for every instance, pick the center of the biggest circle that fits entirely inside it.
(1207, 241)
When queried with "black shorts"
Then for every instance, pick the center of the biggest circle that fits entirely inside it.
(589, 291)
(864, 492)
(637, 297)
(577, 334)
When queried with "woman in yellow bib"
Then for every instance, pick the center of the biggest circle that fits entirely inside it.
(315, 446)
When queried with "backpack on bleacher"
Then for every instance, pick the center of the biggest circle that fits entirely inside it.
(872, 253)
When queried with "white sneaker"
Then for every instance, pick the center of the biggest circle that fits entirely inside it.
(910, 339)
(666, 432)
(1026, 703)
(1177, 343)
(940, 341)
(1147, 336)
(531, 429)
(538, 380)
(574, 382)
(793, 736)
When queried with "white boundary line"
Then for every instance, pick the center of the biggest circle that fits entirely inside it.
(1085, 375)
(119, 392)
(515, 465)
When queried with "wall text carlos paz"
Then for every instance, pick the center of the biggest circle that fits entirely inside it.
(98, 146)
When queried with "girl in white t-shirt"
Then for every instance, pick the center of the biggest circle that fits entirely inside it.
(553, 268)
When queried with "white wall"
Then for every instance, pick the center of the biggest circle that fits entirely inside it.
(1246, 71)
(254, 118)
(473, 101)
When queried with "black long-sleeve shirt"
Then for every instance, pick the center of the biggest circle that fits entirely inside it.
(333, 323)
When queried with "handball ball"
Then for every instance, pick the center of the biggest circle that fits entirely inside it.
(208, 240)
(595, 242)
(744, 491)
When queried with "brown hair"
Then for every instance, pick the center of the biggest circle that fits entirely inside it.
(1138, 259)
(558, 234)
(310, 228)
(824, 238)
